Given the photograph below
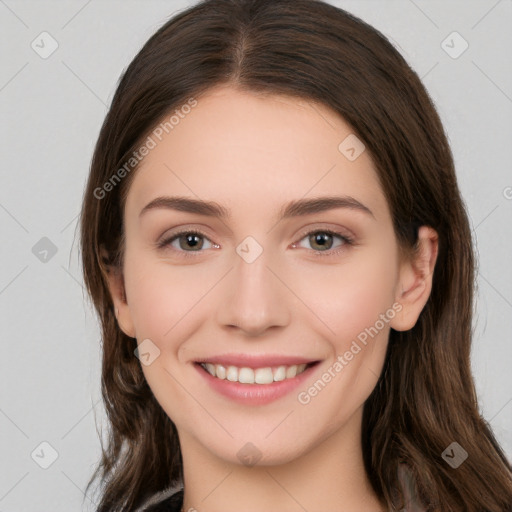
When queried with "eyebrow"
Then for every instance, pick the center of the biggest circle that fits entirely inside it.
(295, 208)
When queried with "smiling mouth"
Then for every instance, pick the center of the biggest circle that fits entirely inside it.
(245, 375)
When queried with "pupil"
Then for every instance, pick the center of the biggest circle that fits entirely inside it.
(320, 239)
(192, 240)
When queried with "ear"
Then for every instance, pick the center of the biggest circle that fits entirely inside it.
(115, 281)
(415, 280)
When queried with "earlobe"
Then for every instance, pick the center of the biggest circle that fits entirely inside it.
(415, 280)
(128, 328)
(115, 281)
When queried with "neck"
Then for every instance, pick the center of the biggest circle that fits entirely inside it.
(328, 476)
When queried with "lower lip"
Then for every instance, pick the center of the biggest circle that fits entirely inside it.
(255, 394)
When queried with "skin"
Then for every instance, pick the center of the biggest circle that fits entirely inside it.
(253, 154)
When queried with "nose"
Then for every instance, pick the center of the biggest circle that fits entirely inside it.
(253, 300)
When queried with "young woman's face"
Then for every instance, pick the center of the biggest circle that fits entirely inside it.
(258, 289)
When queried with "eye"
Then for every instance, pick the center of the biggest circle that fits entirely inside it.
(187, 241)
(322, 241)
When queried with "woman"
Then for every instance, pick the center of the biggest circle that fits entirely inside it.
(275, 242)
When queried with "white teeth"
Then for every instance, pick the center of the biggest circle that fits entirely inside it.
(291, 371)
(280, 374)
(220, 371)
(246, 375)
(231, 373)
(263, 376)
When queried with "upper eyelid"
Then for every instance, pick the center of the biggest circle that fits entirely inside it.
(344, 233)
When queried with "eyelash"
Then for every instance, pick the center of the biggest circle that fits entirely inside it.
(347, 240)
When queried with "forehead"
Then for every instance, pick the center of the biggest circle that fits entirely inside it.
(240, 148)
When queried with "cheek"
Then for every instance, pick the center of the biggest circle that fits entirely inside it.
(162, 301)
(350, 297)
(158, 297)
(168, 302)
(356, 303)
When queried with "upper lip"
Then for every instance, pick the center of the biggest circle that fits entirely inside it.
(255, 361)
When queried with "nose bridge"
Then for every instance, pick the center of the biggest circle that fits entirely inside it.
(255, 299)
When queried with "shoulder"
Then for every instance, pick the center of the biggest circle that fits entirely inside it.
(170, 500)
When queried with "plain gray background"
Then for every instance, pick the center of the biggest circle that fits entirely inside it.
(52, 109)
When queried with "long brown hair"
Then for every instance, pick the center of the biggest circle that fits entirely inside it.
(425, 398)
